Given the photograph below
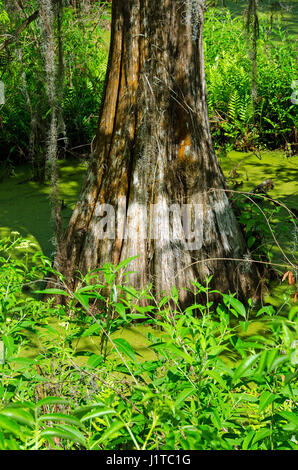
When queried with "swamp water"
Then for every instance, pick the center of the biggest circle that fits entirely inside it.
(25, 208)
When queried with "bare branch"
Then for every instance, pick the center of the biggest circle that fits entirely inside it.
(14, 37)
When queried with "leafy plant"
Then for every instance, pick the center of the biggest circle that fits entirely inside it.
(210, 383)
(228, 76)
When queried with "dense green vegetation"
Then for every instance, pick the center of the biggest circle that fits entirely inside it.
(85, 53)
(25, 117)
(273, 123)
(205, 384)
(101, 371)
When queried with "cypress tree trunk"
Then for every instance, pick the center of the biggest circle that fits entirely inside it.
(154, 151)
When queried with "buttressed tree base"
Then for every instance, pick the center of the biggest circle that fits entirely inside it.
(154, 163)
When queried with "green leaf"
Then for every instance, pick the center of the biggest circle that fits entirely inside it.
(251, 241)
(52, 291)
(9, 345)
(217, 377)
(52, 330)
(247, 440)
(75, 432)
(183, 395)
(97, 413)
(260, 435)
(289, 416)
(245, 366)
(266, 399)
(19, 415)
(215, 350)
(121, 310)
(136, 316)
(91, 330)
(89, 289)
(271, 356)
(112, 431)
(148, 308)
(22, 404)
(2, 352)
(26, 361)
(131, 291)
(94, 360)
(59, 417)
(236, 304)
(216, 419)
(10, 425)
(293, 312)
(278, 361)
(175, 295)
(198, 307)
(125, 262)
(170, 347)
(163, 301)
(83, 299)
(125, 348)
(81, 411)
(287, 336)
(262, 363)
(268, 309)
(51, 401)
(71, 435)
(245, 397)
(244, 325)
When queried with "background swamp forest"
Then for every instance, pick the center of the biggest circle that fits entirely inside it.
(135, 377)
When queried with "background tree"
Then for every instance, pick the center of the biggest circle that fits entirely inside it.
(252, 26)
(154, 147)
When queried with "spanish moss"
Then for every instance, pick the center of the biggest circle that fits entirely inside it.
(51, 169)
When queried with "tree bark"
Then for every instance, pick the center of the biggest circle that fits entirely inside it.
(154, 149)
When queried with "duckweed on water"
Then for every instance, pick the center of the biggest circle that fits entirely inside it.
(223, 380)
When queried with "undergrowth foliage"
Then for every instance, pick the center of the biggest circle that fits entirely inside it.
(207, 382)
(234, 122)
(83, 37)
(26, 115)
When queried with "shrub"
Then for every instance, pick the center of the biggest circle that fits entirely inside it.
(210, 384)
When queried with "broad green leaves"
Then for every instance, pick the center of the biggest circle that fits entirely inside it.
(210, 382)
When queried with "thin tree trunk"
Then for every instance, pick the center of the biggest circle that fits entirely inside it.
(154, 149)
(252, 26)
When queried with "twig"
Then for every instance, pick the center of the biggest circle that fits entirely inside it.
(14, 37)
(264, 215)
(105, 383)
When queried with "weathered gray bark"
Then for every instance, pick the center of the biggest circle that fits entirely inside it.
(154, 147)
